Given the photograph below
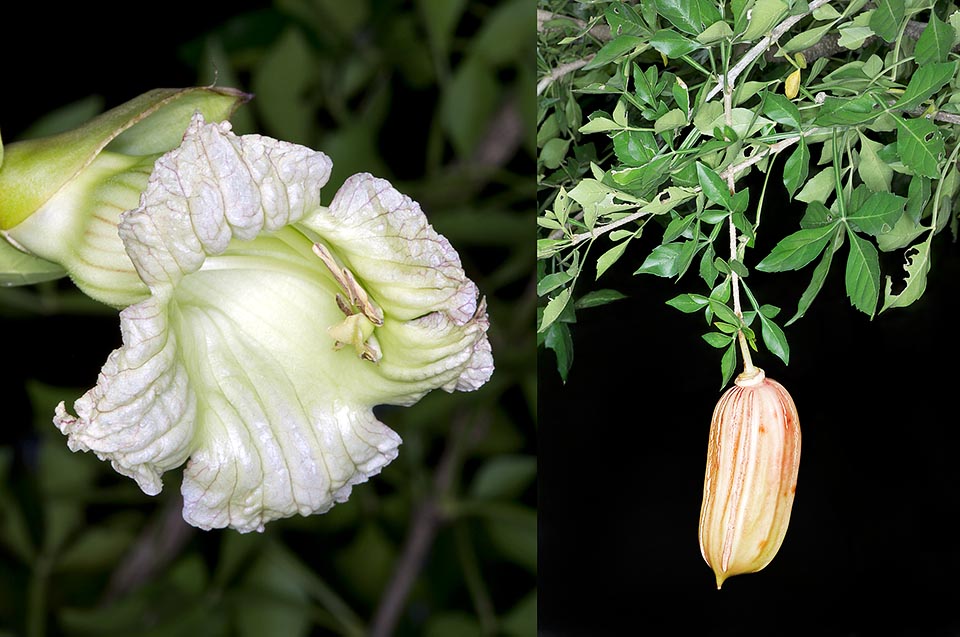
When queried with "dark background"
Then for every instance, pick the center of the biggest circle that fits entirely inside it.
(871, 547)
(480, 569)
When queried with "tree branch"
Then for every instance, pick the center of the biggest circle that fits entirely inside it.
(560, 71)
(423, 530)
(730, 171)
(599, 31)
(760, 47)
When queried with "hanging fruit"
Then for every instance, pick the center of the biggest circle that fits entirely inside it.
(751, 477)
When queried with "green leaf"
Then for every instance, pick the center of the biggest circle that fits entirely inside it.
(886, 18)
(924, 82)
(677, 227)
(672, 44)
(863, 274)
(847, 111)
(610, 257)
(717, 339)
(778, 108)
(796, 167)
(688, 303)
(716, 32)
(554, 307)
(690, 16)
(665, 260)
(596, 298)
(852, 36)
(920, 146)
(774, 339)
(934, 43)
(798, 249)
(554, 151)
(764, 15)
(714, 187)
(806, 39)
(674, 118)
(816, 216)
(874, 172)
(819, 187)
(600, 125)
(615, 49)
(878, 213)
(634, 148)
(728, 363)
(918, 194)
(816, 283)
(552, 281)
(917, 266)
(723, 312)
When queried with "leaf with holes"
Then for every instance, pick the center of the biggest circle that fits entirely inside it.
(863, 274)
(920, 146)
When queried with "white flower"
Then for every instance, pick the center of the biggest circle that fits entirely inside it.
(273, 327)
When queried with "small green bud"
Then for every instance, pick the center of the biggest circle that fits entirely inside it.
(61, 196)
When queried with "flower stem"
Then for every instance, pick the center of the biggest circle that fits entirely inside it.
(748, 367)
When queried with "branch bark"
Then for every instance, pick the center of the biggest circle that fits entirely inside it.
(423, 530)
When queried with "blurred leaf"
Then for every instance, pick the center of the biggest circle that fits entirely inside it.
(440, 18)
(515, 535)
(237, 552)
(467, 104)
(14, 532)
(367, 562)
(281, 82)
(278, 603)
(521, 620)
(65, 118)
(453, 624)
(96, 549)
(505, 33)
(504, 477)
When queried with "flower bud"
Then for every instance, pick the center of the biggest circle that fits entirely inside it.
(751, 477)
(61, 196)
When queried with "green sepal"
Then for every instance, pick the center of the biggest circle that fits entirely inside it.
(34, 170)
(19, 268)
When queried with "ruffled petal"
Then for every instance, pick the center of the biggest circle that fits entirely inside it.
(240, 361)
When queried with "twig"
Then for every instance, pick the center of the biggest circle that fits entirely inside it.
(734, 277)
(733, 170)
(560, 71)
(599, 31)
(423, 529)
(158, 544)
(760, 47)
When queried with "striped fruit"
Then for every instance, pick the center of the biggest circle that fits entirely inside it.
(752, 463)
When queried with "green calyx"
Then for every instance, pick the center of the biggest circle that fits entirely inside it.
(33, 171)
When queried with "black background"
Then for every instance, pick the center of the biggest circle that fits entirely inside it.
(872, 543)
